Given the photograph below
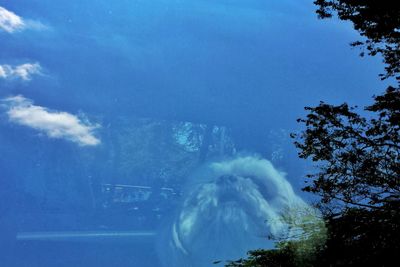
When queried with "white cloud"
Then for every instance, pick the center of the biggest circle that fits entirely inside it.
(9, 21)
(23, 71)
(3, 73)
(55, 124)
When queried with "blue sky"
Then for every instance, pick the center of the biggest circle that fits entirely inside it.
(224, 61)
(70, 68)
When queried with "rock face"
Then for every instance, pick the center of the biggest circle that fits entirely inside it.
(227, 209)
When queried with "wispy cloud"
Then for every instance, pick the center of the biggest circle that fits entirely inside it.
(23, 71)
(11, 22)
(55, 124)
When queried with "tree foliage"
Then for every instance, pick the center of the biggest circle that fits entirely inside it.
(360, 237)
(358, 179)
(271, 258)
(376, 20)
(360, 157)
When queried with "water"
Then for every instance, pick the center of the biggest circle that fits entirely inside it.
(115, 114)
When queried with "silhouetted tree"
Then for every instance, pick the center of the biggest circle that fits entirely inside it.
(358, 176)
(360, 157)
(361, 237)
(358, 179)
(376, 20)
(271, 258)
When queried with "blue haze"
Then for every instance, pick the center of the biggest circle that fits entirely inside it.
(248, 66)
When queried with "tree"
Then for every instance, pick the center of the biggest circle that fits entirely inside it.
(360, 237)
(358, 156)
(271, 258)
(376, 20)
(358, 179)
